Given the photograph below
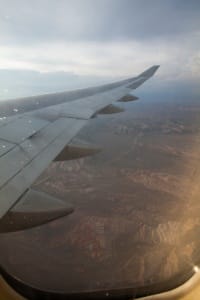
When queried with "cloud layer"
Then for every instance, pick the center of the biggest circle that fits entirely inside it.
(108, 38)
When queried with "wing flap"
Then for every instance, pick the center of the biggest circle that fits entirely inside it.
(87, 107)
(21, 128)
(95, 103)
(56, 138)
(83, 108)
(5, 147)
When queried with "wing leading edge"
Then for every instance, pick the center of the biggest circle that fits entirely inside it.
(29, 141)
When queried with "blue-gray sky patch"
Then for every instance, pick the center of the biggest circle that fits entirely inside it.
(107, 38)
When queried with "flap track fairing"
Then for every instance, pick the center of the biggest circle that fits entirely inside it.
(33, 209)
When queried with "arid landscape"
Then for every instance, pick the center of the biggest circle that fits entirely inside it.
(136, 220)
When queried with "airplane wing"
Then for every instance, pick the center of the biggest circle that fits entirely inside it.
(35, 134)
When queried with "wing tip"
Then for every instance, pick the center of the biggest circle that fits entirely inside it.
(150, 71)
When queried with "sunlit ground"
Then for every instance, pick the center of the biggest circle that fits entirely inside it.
(136, 221)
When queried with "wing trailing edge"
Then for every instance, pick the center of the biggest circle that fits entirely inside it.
(33, 209)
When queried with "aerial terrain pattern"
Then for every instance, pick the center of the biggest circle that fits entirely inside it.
(137, 211)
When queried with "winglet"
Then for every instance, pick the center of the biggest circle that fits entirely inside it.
(149, 72)
(137, 81)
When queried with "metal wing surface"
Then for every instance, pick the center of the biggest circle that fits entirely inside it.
(32, 138)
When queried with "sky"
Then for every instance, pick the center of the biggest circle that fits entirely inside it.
(91, 41)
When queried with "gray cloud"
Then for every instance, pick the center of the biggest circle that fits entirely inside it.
(107, 38)
(23, 21)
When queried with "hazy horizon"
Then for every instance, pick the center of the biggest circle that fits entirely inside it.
(52, 46)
